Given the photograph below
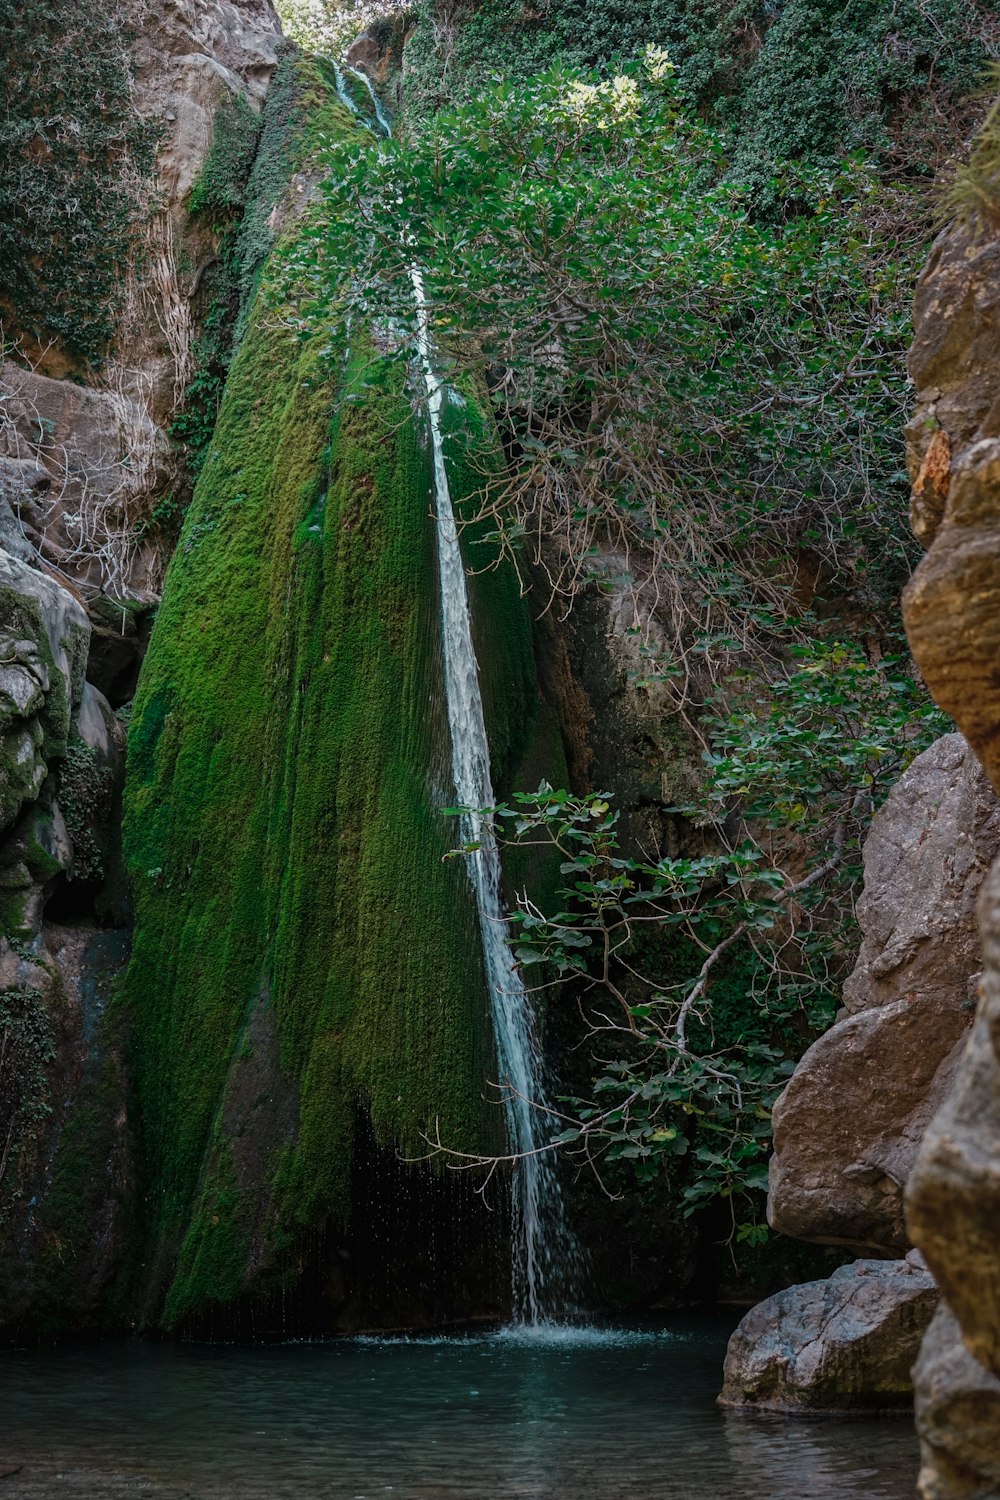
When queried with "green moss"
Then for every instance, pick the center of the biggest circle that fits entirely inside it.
(288, 766)
(245, 178)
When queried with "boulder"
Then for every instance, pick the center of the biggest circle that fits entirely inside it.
(958, 1406)
(44, 635)
(849, 1123)
(844, 1343)
(953, 1200)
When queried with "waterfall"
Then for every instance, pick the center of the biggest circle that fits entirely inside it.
(546, 1257)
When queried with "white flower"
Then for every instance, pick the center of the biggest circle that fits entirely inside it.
(657, 63)
(580, 98)
(624, 96)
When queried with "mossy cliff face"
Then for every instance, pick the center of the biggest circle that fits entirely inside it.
(304, 956)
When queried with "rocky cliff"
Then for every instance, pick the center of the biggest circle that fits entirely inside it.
(100, 369)
(847, 1127)
(915, 1057)
(97, 372)
(849, 1124)
(951, 608)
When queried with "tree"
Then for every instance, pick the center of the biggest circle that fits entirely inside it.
(699, 404)
(702, 977)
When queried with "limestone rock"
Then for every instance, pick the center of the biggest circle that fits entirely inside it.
(953, 358)
(43, 654)
(74, 466)
(958, 1407)
(79, 464)
(952, 604)
(954, 1194)
(847, 1342)
(953, 622)
(848, 1125)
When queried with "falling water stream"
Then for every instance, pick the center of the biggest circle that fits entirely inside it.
(545, 1257)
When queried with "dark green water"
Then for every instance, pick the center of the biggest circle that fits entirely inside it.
(604, 1417)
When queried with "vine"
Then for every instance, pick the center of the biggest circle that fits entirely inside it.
(75, 164)
(27, 1046)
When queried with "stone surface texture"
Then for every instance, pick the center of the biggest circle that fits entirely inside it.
(79, 463)
(952, 610)
(848, 1125)
(846, 1342)
(959, 1411)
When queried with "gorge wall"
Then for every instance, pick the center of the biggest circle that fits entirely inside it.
(916, 1157)
(211, 1135)
(103, 267)
(848, 1127)
(953, 1197)
(304, 1003)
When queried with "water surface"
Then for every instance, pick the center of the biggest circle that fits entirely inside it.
(598, 1417)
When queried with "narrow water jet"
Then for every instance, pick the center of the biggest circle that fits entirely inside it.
(546, 1258)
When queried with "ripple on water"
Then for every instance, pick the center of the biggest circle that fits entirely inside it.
(550, 1413)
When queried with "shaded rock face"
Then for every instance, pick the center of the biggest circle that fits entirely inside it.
(954, 1194)
(959, 1406)
(846, 1342)
(65, 1185)
(44, 636)
(848, 1125)
(62, 1148)
(952, 610)
(79, 465)
(79, 575)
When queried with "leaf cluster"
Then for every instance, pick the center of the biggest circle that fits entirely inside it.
(688, 394)
(703, 976)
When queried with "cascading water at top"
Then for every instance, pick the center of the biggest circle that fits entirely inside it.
(546, 1257)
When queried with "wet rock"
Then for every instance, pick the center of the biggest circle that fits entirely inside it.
(848, 1125)
(62, 1092)
(844, 1343)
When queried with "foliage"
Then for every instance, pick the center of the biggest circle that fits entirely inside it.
(220, 191)
(328, 27)
(882, 77)
(704, 975)
(973, 194)
(27, 1047)
(85, 791)
(686, 394)
(807, 80)
(75, 161)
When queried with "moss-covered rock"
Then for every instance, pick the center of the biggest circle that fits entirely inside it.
(305, 956)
